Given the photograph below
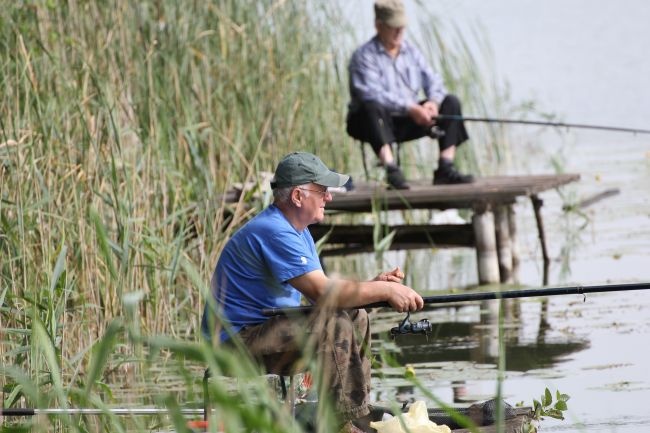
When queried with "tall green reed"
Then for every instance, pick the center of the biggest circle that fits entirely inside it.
(122, 126)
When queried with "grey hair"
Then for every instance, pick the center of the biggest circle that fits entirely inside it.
(282, 195)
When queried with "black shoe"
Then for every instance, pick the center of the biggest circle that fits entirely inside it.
(349, 185)
(446, 174)
(395, 178)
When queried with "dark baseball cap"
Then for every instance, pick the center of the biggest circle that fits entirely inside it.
(299, 168)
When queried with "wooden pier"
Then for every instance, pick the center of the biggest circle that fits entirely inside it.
(492, 231)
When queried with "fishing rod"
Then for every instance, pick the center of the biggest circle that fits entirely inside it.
(26, 411)
(482, 296)
(540, 123)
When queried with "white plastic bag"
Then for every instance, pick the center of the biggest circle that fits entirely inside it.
(416, 420)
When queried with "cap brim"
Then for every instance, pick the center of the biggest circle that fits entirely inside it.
(396, 22)
(332, 179)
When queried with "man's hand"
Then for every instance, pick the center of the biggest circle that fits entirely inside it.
(432, 109)
(402, 298)
(420, 115)
(423, 114)
(395, 275)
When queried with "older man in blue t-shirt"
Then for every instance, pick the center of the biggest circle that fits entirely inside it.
(272, 262)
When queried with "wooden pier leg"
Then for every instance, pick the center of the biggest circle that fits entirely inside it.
(537, 206)
(514, 243)
(504, 245)
(363, 160)
(486, 246)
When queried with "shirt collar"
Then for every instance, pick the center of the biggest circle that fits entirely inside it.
(379, 47)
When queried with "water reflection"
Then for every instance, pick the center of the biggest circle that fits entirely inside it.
(464, 345)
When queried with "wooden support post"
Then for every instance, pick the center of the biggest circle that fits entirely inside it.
(486, 246)
(363, 160)
(514, 243)
(504, 247)
(537, 206)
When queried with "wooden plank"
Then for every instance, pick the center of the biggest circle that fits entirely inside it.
(488, 190)
(489, 182)
(349, 239)
(423, 195)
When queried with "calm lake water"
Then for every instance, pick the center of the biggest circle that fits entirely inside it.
(587, 62)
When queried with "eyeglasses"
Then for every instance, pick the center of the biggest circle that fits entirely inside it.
(322, 193)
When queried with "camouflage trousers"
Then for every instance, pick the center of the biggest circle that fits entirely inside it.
(339, 339)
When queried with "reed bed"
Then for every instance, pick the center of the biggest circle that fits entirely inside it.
(122, 125)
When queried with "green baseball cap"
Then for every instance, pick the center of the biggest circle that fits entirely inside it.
(299, 168)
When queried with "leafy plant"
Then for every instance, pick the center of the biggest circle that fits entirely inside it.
(546, 407)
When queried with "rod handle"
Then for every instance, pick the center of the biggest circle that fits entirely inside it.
(17, 411)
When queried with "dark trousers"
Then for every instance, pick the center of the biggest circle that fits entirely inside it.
(373, 124)
(340, 340)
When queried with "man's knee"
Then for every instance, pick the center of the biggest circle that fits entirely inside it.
(349, 323)
(361, 320)
(368, 114)
(371, 123)
(450, 105)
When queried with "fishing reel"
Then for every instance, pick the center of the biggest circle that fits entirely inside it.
(406, 327)
(436, 132)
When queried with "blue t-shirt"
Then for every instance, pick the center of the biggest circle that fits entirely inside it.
(254, 267)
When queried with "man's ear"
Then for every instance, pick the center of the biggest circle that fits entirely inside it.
(296, 198)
